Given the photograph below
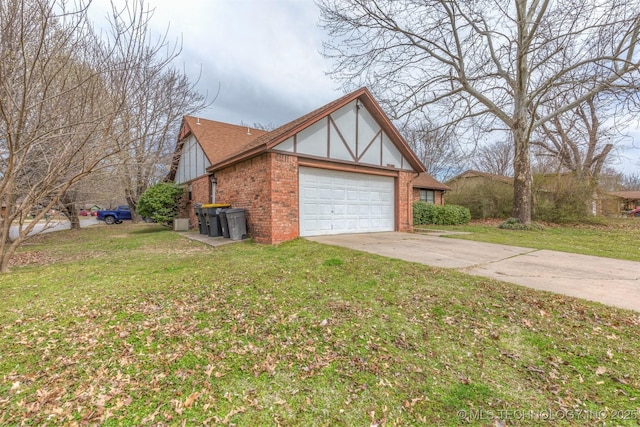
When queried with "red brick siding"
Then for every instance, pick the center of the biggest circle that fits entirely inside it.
(200, 193)
(404, 210)
(247, 185)
(284, 198)
(267, 186)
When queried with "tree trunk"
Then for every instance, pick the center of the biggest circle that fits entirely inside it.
(135, 218)
(74, 220)
(522, 178)
(70, 211)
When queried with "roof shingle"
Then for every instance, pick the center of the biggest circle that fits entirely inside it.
(424, 180)
(221, 140)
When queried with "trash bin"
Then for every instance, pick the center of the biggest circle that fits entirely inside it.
(237, 223)
(202, 224)
(206, 219)
(212, 212)
(224, 226)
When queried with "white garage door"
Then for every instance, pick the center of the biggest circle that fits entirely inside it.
(334, 202)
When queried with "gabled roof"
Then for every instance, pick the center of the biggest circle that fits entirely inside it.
(424, 180)
(269, 140)
(218, 140)
(474, 173)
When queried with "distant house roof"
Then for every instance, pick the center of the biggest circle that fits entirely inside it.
(424, 180)
(631, 195)
(269, 140)
(474, 174)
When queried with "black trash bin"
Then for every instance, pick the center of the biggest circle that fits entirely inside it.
(214, 225)
(202, 224)
(224, 227)
(237, 223)
(205, 215)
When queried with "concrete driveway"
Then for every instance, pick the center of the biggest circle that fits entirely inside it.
(609, 281)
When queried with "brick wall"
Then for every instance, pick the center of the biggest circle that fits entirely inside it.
(267, 187)
(200, 193)
(405, 201)
(284, 193)
(247, 185)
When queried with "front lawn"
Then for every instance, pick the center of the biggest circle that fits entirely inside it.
(138, 325)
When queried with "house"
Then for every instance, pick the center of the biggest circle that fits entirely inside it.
(472, 178)
(427, 189)
(343, 168)
(621, 202)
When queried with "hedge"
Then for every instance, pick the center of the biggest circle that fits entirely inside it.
(426, 213)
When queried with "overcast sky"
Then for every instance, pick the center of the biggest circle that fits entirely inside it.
(264, 56)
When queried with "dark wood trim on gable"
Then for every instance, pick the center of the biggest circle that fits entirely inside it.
(332, 123)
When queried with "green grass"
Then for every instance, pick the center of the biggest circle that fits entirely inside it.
(618, 238)
(137, 325)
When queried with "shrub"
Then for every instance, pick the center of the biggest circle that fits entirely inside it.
(562, 199)
(515, 224)
(426, 213)
(160, 202)
(492, 199)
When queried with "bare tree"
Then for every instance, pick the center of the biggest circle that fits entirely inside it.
(495, 157)
(436, 147)
(54, 115)
(630, 182)
(490, 64)
(65, 98)
(579, 140)
(157, 96)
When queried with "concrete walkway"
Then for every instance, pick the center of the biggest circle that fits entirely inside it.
(211, 241)
(609, 281)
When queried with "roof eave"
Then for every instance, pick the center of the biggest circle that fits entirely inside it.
(255, 151)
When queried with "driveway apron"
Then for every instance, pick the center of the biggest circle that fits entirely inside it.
(608, 281)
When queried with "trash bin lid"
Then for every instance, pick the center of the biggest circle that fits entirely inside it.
(234, 210)
(216, 205)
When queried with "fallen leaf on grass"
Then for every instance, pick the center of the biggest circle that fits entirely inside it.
(601, 370)
(191, 399)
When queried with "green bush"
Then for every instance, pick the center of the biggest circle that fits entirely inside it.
(492, 199)
(515, 224)
(562, 200)
(426, 213)
(160, 202)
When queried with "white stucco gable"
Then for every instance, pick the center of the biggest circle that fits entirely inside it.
(349, 134)
(193, 162)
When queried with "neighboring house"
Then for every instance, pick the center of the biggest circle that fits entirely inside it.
(427, 189)
(621, 202)
(343, 168)
(472, 178)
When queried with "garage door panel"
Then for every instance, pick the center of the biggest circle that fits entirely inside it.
(333, 202)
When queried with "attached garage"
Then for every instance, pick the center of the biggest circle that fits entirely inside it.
(343, 168)
(335, 202)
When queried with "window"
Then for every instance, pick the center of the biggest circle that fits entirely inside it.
(427, 196)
